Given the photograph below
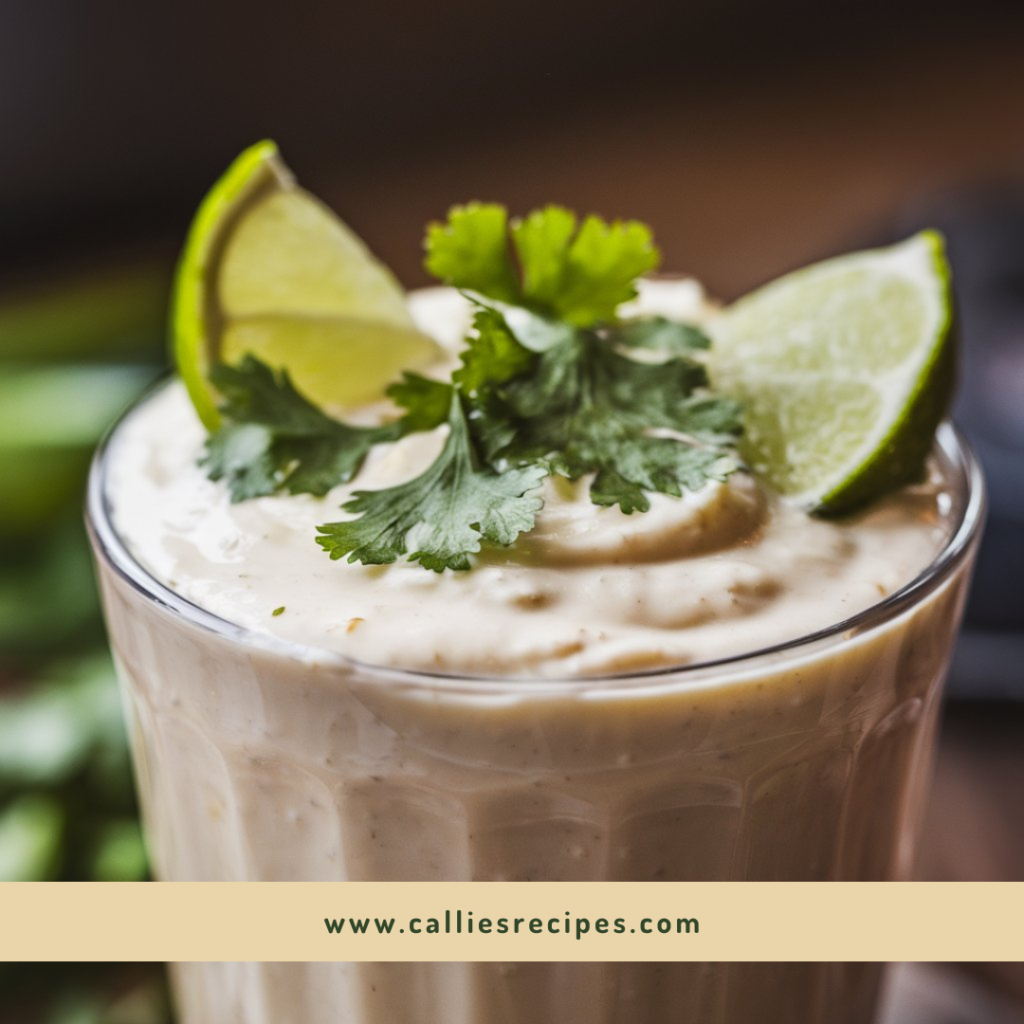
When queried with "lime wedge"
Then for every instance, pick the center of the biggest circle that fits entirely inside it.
(845, 369)
(268, 270)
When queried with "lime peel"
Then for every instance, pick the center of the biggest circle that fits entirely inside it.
(250, 173)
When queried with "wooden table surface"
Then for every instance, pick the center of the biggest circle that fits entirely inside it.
(941, 994)
(974, 830)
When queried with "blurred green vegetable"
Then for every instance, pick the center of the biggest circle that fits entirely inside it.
(49, 734)
(109, 313)
(48, 599)
(75, 349)
(30, 836)
(120, 853)
(144, 1003)
(77, 1008)
(50, 420)
(66, 406)
(67, 806)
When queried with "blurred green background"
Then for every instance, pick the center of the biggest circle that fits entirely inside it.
(77, 344)
(77, 347)
(753, 136)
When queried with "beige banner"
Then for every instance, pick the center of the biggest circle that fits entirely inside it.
(510, 921)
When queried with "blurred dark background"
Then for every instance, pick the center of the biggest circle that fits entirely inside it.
(754, 136)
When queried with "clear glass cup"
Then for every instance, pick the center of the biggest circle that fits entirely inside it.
(259, 759)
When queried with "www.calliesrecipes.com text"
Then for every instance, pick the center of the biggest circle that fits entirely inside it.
(464, 923)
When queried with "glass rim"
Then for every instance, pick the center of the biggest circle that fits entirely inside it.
(969, 482)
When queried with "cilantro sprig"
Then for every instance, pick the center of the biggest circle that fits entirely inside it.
(274, 439)
(551, 381)
(584, 408)
(578, 273)
(444, 514)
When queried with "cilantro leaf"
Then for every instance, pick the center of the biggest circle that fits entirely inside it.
(585, 408)
(629, 471)
(575, 272)
(273, 438)
(534, 331)
(492, 355)
(426, 402)
(444, 514)
(471, 251)
(240, 454)
(601, 268)
(659, 333)
(542, 241)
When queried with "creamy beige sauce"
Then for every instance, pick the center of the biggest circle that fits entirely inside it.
(591, 591)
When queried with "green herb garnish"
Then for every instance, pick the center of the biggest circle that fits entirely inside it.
(275, 439)
(546, 385)
(442, 514)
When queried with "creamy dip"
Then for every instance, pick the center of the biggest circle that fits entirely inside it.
(271, 762)
(591, 591)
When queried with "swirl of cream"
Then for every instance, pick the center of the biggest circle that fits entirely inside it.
(572, 530)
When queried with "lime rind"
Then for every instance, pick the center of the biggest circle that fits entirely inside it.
(251, 172)
(899, 457)
(846, 368)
